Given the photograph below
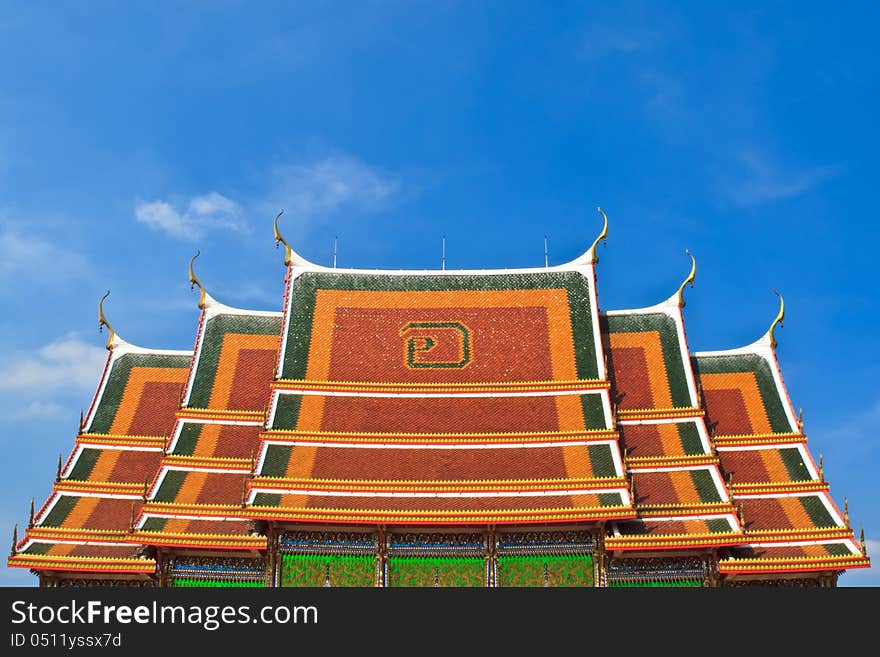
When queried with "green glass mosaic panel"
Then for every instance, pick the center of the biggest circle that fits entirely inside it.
(602, 460)
(610, 499)
(594, 413)
(689, 436)
(188, 438)
(277, 458)
(705, 485)
(676, 583)
(794, 464)
(60, 511)
(170, 486)
(436, 571)
(267, 499)
(837, 549)
(304, 570)
(718, 525)
(545, 570)
(817, 511)
(213, 583)
(286, 411)
(84, 464)
(154, 524)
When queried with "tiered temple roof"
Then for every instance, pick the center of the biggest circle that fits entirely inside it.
(441, 400)
(86, 524)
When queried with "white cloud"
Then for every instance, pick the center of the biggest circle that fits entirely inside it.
(203, 213)
(28, 257)
(331, 185)
(38, 409)
(66, 362)
(759, 180)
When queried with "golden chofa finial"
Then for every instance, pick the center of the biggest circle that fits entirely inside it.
(102, 322)
(846, 511)
(689, 279)
(862, 542)
(780, 319)
(603, 237)
(280, 240)
(131, 519)
(14, 541)
(31, 518)
(193, 280)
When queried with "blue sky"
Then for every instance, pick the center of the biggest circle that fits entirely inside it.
(132, 135)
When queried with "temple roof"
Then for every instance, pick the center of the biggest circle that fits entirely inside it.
(196, 498)
(84, 525)
(680, 494)
(790, 521)
(441, 398)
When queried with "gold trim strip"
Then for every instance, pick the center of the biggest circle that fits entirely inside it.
(219, 414)
(283, 435)
(759, 439)
(762, 488)
(658, 413)
(121, 440)
(636, 463)
(451, 517)
(440, 388)
(374, 486)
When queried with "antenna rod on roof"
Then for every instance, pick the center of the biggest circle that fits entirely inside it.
(335, 243)
(546, 254)
(443, 253)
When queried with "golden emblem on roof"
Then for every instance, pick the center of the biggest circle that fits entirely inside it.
(603, 237)
(102, 322)
(280, 240)
(780, 318)
(193, 280)
(689, 279)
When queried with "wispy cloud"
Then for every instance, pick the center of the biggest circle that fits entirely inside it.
(66, 362)
(27, 257)
(308, 191)
(38, 409)
(212, 211)
(334, 184)
(620, 32)
(758, 179)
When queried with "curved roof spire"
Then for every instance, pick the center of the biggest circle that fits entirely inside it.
(290, 256)
(780, 319)
(193, 281)
(603, 237)
(689, 279)
(102, 322)
(279, 239)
